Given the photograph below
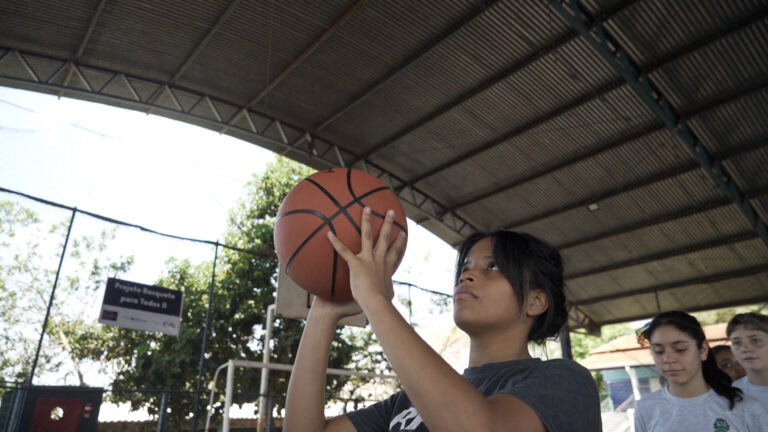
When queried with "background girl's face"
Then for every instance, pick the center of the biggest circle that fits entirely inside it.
(750, 347)
(728, 364)
(676, 355)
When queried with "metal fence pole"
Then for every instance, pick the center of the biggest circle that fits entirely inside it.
(50, 299)
(270, 419)
(263, 386)
(565, 342)
(163, 412)
(17, 426)
(205, 339)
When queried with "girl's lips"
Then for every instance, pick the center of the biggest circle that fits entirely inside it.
(463, 294)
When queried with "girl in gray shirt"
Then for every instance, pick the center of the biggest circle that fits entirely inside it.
(508, 292)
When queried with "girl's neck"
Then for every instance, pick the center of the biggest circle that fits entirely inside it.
(758, 377)
(493, 349)
(693, 388)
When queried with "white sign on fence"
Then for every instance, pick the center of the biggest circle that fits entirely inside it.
(141, 307)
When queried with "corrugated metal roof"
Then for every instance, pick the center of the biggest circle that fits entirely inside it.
(482, 114)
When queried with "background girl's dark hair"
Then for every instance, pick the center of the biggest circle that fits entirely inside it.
(529, 264)
(686, 323)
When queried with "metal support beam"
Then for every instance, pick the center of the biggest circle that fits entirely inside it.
(720, 305)
(211, 32)
(678, 214)
(659, 256)
(718, 277)
(405, 65)
(599, 39)
(654, 178)
(584, 99)
(295, 63)
(86, 39)
(558, 166)
(577, 319)
(118, 89)
(450, 105)
(698, 44)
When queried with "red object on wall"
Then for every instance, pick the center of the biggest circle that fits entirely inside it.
(57, 415)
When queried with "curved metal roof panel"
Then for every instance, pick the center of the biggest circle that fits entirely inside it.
(631, 134)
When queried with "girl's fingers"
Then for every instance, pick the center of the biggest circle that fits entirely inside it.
(340, 247)
(366, 236)
(382, 243)
(396, 252)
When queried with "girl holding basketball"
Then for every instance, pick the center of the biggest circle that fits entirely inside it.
(508, 292)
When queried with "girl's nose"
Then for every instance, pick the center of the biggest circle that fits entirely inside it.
(466, 277)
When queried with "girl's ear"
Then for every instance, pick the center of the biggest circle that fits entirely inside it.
(536, 303)
(704, 351)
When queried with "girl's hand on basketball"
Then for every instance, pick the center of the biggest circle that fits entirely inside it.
(370, 271)
(334, 310)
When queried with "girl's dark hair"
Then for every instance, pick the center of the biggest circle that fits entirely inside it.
(686, 323)
(529, 264)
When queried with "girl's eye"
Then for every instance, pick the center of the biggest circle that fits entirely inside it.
(493, 266)
(680, 350)
(659, 352)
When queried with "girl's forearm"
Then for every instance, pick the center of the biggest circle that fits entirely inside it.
(305, 401)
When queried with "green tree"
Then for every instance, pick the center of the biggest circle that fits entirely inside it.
(244, 288)
(29, 255)
(583, 343)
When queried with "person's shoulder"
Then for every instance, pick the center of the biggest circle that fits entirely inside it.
(650, 399)
(565, 366)
(752, 406)
(565, 373)
(741, 383)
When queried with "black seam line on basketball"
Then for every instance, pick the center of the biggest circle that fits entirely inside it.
(325, 220)
(360, 201)
(333, 199)
(310, 237)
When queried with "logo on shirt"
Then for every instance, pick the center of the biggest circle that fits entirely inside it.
(721, 425)
(407, 420)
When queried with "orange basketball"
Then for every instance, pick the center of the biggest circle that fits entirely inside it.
(330, 200)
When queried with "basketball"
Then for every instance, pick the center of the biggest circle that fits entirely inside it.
(333, 200)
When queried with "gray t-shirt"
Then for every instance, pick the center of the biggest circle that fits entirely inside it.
(561, 392)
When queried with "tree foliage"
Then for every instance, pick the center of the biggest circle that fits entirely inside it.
(29, 255)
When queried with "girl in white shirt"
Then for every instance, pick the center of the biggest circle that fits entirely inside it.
(698, 396)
